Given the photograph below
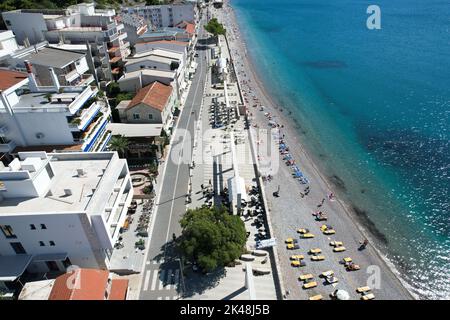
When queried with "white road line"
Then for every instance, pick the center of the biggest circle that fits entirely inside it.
(155, 277)
(159, 298)
(147, 279)
(167, 298)
(147, 263)
(161, 279)
(179, 166)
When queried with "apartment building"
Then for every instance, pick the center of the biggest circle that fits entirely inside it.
(135, 26)
(61, 209)
(78, 24)
(56, 117)
(168, 15)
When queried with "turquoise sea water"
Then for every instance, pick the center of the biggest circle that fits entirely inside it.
(373, 107)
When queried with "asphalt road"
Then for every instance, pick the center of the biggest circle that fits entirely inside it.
(161, 278)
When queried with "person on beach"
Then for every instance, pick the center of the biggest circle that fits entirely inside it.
(363, 244)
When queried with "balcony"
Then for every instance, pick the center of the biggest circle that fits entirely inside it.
(81, 99)
(95, 131)
(88, 114)
(7, 146)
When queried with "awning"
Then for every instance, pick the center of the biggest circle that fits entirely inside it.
(50, 257)
(12, 267)
(134, 130)
(236, 185)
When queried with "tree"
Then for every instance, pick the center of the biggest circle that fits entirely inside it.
(215, 27)
(119, 144)
(211, 237)
(152, 2)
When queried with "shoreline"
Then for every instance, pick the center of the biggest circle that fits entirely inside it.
(290, 127)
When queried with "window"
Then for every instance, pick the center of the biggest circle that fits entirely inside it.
(8, 231)
(136, 116)
(41, 243)
(150, 116)
(52, 243)
(32, 227)
(43, 226)
(18, 248)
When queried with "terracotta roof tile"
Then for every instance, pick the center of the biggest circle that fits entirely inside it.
(155, 95)
(9, 78)
(119, 289)
(88, 284)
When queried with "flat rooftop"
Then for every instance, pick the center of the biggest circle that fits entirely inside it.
(53, 57)
(65, 178)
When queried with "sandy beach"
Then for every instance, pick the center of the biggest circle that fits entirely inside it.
(293, 209)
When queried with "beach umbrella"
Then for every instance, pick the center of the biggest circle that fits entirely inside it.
(342, 295)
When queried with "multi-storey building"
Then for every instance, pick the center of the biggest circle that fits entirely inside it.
(135, 26)
(167, 15)
(79, 24)
(51, 117)
(61, 209)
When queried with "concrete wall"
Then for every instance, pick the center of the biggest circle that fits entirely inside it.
(25, 25)
(144, 111)
(65, 229)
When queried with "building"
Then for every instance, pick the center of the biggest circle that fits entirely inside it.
(84, 284)
(55, 117)
(8, 44)
(136, 80)
(135, 26)
(154, 104)
(78, 24)
(70, 67)
(165, 33)
(163, 60)
(218, 3)
(61, 209)
(171, 45)
(167, 15)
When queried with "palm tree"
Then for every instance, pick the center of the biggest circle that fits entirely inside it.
(119, 144)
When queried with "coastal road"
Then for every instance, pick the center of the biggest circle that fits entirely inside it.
(161, 277)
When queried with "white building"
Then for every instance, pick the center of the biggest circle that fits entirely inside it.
(8, 44)
(136, 80)
(135, 26)
(79, 24)
(50, 117)
(167, 15)
(61, 209)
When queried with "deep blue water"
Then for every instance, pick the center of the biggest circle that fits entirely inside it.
(373, 106)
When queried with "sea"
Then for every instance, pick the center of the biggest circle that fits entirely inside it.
(371, 104)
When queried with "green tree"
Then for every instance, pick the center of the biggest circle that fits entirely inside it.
(211, 237)
(119, 144)
(215, 27)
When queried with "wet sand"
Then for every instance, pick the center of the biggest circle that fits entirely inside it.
(291, 211)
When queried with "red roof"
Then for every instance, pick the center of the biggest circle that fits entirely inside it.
(119, 289)
(155, 95)
(9, 78)
(82, 284)
(186, 25)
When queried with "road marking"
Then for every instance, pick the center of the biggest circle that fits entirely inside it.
(167, 298)
(159, 298)
(155, 277)
(147, 279)
(179, 166)
(161, 279)
(147, 263)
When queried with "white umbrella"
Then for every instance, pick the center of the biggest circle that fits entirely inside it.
(342, 295)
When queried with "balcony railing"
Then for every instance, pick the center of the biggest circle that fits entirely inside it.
(82, 98)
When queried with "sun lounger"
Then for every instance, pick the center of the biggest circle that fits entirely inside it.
(315, 251)
(331, 279)
(353, 267)
(307, 236)
(289, 240)
(329, 231)
(310, 285)
(316, 297)
(302, 230)
(347, 260)
(339, 249)
(363, 289)
(327, 273)
(369, 296)
(298, 263)
(317, 258)
(336, 243)
(304, 277)
(297, 257)
(292, 246)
